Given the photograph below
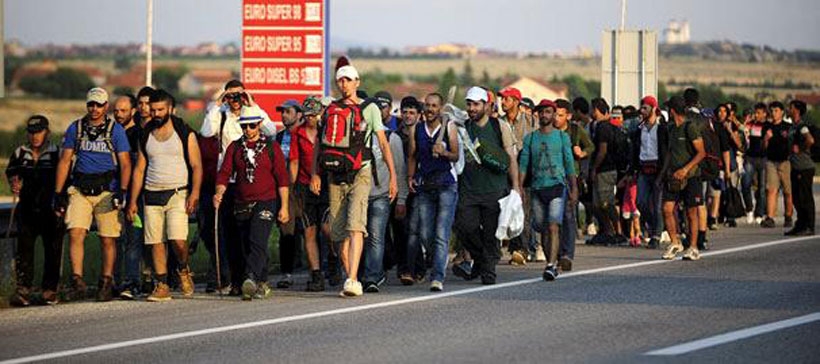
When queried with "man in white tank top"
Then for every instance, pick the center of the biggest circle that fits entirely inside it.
(164, 172)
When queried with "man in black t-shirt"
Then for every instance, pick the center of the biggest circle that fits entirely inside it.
(603, 172)
(778, 168)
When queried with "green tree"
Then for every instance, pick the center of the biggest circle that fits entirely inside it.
(448, 79)
(123, 90)
(65, 83)
(168, 78)
(466, 78)
(123, 62)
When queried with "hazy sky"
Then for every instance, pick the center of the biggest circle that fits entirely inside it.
(510, 25)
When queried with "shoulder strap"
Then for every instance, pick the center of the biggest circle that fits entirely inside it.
(109, 142)
(224, 117)
(497, 128)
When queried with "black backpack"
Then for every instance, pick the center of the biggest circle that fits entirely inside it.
(622, 148)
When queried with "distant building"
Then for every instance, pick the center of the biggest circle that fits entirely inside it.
(538, 89)
(444, 49)
(204, 81)
(677, 32)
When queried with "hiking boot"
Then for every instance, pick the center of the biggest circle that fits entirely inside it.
(788, 222)
(436, 286)
(518, 258)
(539, 254)
(248, 289)
(406, 279)
(464, 270)
(263, 291)
(21, 298)
(50, 297)
(78, 289)
(691, 254)
(565, 264)
(672, 251)
(105, 289)
(186, 282)
(550, 273)
(316, 283)
(351, 288)
(768, 223)
(285, 282)
(161, 293)
(371, 287)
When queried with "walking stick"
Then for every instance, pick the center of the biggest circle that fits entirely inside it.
(216, 251)
(11, 218)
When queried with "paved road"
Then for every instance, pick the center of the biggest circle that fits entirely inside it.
(616, 306)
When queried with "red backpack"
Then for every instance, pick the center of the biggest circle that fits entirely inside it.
(343, 139)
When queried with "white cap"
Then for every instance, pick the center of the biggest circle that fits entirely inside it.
(250, 115)
(97, 95)
(347, 71)
(476, 93)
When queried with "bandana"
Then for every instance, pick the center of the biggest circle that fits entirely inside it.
(249, 155)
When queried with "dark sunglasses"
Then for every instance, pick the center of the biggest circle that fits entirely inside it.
(248, 126)
(94, 104)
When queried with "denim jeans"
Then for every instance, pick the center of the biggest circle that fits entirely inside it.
(254, 234)
(649, 204)
(545, 214)
(755, 169)
(129, 253)
(378, 213)
(432, 216)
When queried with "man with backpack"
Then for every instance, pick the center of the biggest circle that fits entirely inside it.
(289, 243)
(432, 176)
(344, 154)
(804, 153)
(680, 177)
(95, 155)
(169, 169)
(222, 123)
(483, 182)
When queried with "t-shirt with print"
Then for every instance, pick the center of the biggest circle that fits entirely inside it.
(778, 147)
(548, 157)
(681, 150)
(93, 156)
(756, 133)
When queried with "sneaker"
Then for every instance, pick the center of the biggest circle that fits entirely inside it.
(50, 297)
(248, 289)
(371, 287)
(78, 288)
(758, 220)
(654, 243)
(488, 278)
(161, 293)
(421, 278)
(317, 282)
(768, 223)
(592, 230)
(105, 289)
(731, 223)
(550, 273)
(464, 270)
(518, 258)
(711, 223)
(186, 282)
(436, 286)
(285, 282)
(21, 297)
(691, 254)
(750, 218)
(406, 279)
(234, 291)
(788, 222)
(565, 264)
(672, 251)
(263, 291)
(351, 288)
(665, 237)
(539, 254)
(224, 291)
(147, 285)
(127, 294)
(635, 242)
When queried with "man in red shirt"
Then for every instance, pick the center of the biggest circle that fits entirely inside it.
(257, 163)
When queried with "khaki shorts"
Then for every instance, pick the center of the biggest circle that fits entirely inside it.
(169, 222)
(348, 206)
(82, 208)
(778, 174)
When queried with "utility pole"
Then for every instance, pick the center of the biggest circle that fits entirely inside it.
(2, 52)
(149, 47)
(623, 15)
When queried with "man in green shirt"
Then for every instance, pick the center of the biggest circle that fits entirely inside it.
(681, 179)
(547, 155)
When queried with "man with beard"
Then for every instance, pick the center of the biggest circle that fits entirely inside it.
(291, 112)
(169, 168)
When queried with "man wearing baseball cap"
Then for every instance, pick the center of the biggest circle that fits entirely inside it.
(349, 185)
(522, 125)
(482, 185)
(650, 146)
(96, 154)
(291, 112)
(31, 172)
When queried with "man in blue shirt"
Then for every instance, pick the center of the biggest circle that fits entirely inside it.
(95, 150)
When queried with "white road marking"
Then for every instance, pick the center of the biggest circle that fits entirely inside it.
(735, 336)
(430, 297)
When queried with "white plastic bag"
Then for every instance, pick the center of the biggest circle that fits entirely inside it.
(511, 219)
